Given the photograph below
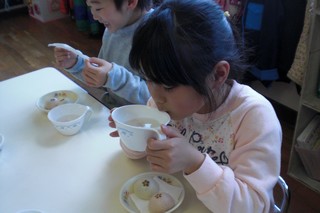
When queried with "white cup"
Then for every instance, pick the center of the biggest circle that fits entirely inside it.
(68, 119)
(137, 123)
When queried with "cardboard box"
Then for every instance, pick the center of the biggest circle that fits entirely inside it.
(308, 148)
(310, 160)
(45, 10)
(309, 136)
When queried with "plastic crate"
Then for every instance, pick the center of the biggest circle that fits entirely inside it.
(45, 10)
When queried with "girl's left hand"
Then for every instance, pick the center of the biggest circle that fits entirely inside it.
(173, 154)
(113, 125)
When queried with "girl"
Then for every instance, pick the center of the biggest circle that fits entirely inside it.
(223, 136)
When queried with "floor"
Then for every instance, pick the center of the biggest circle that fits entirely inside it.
(23, 48)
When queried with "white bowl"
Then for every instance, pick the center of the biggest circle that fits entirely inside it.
(50, 100)
(127, 189)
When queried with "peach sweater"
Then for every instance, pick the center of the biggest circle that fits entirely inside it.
(242, 143)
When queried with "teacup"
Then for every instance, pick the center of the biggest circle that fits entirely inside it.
(137, 123)
(68, 119)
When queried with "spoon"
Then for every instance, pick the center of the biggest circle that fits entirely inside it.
(147, 125)
(69, 48)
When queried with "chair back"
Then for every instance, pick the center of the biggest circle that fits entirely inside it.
(282, 206)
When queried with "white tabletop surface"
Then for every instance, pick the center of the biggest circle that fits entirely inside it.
(42, 169)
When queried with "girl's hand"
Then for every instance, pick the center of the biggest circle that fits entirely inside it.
(173, 154)
(95, 72)
(64, 58)
(130, 154)
(113, 125)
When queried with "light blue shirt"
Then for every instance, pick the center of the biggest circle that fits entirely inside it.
(123, 86)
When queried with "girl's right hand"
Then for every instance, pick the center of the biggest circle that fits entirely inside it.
(169, 155)
(112, 125)
(64, 58)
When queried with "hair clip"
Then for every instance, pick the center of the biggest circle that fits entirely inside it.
(226, 14)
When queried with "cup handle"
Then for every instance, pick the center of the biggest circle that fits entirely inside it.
(88, 114)
(159, 135)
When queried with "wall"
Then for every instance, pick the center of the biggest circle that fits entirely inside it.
(281, 92)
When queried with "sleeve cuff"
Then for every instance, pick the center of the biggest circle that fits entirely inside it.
(111, 75)
(206, 176)
(77, 67)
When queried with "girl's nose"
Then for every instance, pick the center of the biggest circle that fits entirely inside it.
(95, 17)
(158, 97)
(160, 101)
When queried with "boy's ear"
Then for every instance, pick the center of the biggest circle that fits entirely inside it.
(132, 3)
(220, 74)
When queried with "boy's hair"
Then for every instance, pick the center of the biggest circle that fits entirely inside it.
(182, 41)
(142, 4)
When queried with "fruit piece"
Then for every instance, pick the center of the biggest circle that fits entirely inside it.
(144, 188)
(160, 202)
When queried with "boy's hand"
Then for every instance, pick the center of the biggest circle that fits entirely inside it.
(95, 72)
(64, 58)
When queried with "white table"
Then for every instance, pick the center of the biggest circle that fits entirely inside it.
(42, 169)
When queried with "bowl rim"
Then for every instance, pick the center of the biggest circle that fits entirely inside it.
(71, 93)
(143, 106)
(67, 123)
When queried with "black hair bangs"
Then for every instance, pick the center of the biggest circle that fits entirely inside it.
(154, 54)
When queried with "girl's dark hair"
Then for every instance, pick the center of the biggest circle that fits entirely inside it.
(182, 41)
(142, 4)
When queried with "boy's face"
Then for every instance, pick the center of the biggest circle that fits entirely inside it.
(105, 12)
(179, 102)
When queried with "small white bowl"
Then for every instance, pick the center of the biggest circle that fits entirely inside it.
(127, 189)
(69, 118)
(50, 100)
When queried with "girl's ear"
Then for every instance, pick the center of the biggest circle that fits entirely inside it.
(132, 3)
(219, 74)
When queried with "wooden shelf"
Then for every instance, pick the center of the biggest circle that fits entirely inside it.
(300, 174)
(309, 105)
(14, 7)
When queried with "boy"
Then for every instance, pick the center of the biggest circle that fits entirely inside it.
(111, 70)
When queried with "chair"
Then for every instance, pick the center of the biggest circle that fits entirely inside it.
(282, 206)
